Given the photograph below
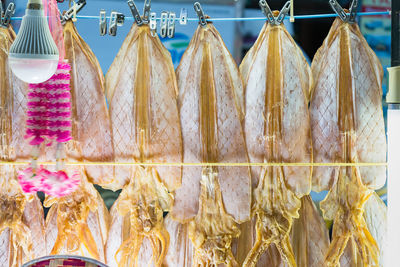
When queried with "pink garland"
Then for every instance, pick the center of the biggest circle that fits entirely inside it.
(56, 184)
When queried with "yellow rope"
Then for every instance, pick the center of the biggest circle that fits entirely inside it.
(221, 164)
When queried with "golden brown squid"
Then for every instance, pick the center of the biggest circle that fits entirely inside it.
(78, 223)
(348, 127)
(142, 90)
(277, 128)
(212, 199)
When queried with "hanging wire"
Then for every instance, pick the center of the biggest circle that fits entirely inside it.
(317, 16)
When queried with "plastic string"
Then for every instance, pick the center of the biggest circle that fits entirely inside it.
(317, 16)
(201, 164)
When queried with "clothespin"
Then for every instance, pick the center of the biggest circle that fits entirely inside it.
(267, 11)
(183, 17)
(164, 24)
(103, 22)
(200, 14)
(349, 18)
(146, 11)
(70, 13)
(282, 14)
(6, 16)
(116, 19)
(171, 25)
(135, 12)
(1, 12)
(153, 24)
(270, 16)
(353, 11)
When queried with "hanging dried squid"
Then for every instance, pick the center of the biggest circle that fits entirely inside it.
(22, 236)
(277, 130)
(309, 238)
(348, 127)
(78, 223)
(91, 127)
(212, 200)
(142, 91)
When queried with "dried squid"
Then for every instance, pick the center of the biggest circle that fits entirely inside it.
(309, 238)
(212, 199)
(348, 127)
(91, 127)
(21, 216)
(375, 217)
(142, 91)
(78, 223)
(277, 128)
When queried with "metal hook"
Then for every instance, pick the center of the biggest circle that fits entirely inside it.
(69, 14)
(146, 11)
(135, 12)
(164, 24)
(267, 11)
(171, 25)
(103, 22)
(6, 19)
(340, 11)
(183, 16)
(270, 16)
(200, 14)
(116, 19)
(282, 14)
(353, 11)
(1, 12)
(153, 24)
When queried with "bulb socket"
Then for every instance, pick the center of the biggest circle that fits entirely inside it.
(34, 6)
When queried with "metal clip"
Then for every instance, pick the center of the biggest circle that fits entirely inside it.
(70, 13)
(183, 17)
(338, 10)
(282, 14)
(6, 19)
(171, 25)
(135, 12)
(146, 11)
(267, 11)
(164, 24)
(116, 19)
(353, 11)
(200, 14)
(1, 12)
(103, 22)
(153, 24)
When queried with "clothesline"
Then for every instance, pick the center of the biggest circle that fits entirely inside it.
(316, 16)
(200, 164)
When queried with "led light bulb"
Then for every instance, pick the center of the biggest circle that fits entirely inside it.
(33, 56)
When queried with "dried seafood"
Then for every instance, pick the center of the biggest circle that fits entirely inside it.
(212, 199)
(347, 126)
(142, 91)
(277, 130)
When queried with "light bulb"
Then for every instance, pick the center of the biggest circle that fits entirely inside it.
(33, 56)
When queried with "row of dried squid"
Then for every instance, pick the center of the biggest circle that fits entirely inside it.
(274, 109)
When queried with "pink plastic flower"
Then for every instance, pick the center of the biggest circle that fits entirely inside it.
(56, 184)
(29, 181)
